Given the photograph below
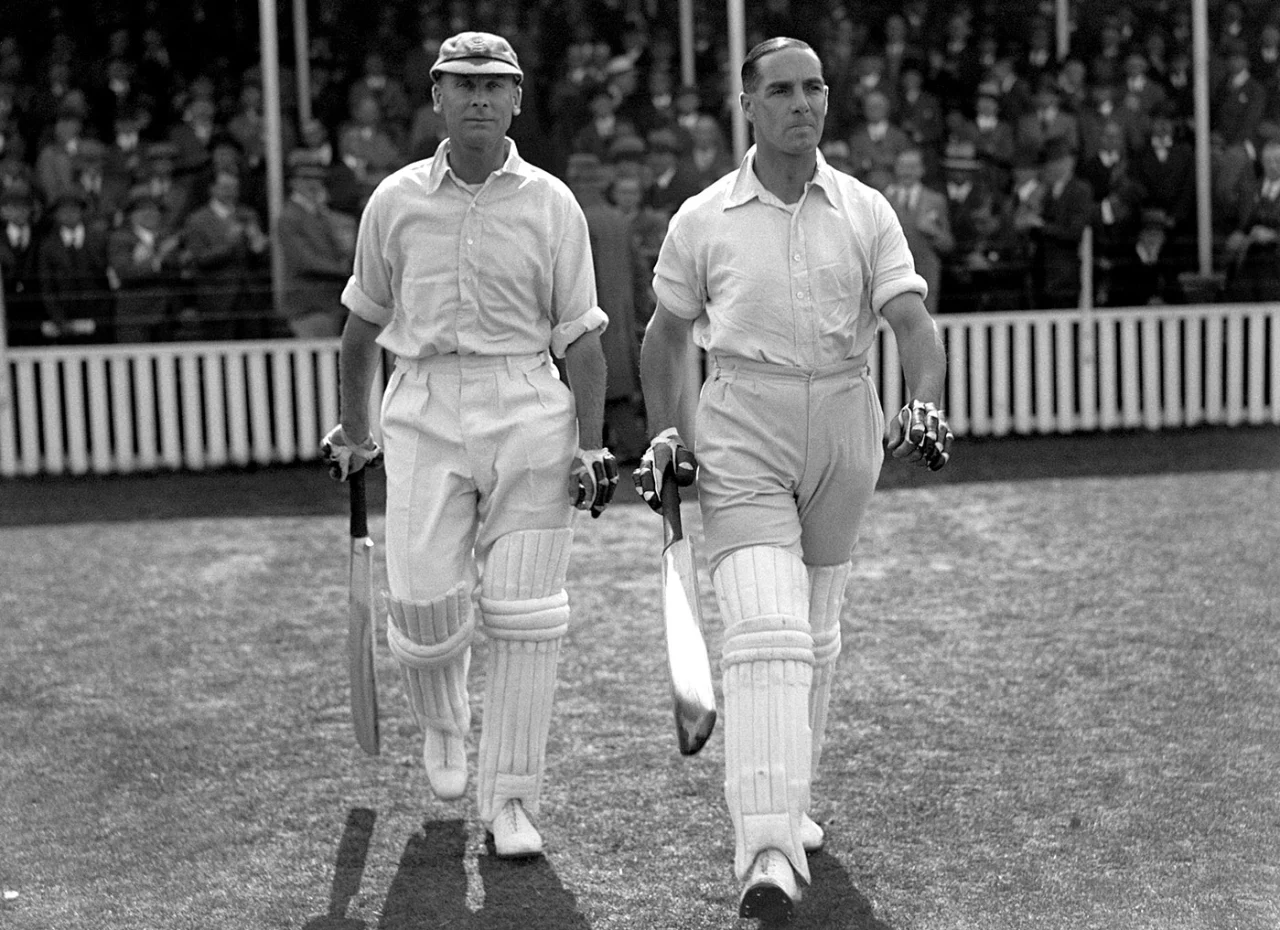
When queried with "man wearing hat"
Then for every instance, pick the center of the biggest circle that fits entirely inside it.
(473, 268)
(1066, 210)
(71, 264)
(318, 245)
(18, 264)
(145, 264)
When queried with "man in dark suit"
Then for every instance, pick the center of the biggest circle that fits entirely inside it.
(18, 265)
(1065, 212)
(71, 264)
(1165, 169)
(144, 262)
(1254, 248)
(319, 246)
(1117, 196)
(226, 244)
(1241, 99)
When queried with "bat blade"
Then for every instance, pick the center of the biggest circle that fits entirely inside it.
(360, 667)
(691, 689)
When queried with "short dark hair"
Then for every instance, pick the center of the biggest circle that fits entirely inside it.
(751, 64)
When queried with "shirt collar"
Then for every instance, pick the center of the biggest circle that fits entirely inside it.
(747, 186)
(514, 164)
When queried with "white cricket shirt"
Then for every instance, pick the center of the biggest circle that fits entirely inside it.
(791, 284)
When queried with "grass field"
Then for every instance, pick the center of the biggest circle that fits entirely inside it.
(1058, 707)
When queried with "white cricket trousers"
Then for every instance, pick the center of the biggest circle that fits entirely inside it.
(477, 446)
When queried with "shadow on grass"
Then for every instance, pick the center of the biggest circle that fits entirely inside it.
(348, 869)
(429, 890)
(831, 902)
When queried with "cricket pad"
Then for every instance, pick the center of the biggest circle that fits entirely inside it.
(767, 667)
(826, 599)
(432, 643)
(525, 613)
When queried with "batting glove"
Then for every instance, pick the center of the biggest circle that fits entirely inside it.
(920, 434)
(666, 451)
(594, 478)
(343, 458)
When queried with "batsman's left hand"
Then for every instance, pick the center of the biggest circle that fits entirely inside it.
(344, 457)
(593, 479)
(920, 434)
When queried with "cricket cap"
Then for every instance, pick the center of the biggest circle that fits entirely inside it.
(477, 53)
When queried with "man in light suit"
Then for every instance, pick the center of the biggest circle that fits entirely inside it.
(923, 215)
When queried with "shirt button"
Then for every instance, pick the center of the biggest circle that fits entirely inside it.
(470, 242)
(797, 256)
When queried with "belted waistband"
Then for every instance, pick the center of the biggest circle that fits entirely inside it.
(453, 362)
(850, 366)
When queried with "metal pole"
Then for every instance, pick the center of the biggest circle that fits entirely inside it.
(302, 60)
(1062, 20)
(275, 162)
(737, 52)
(1200, 68)
(688, 74)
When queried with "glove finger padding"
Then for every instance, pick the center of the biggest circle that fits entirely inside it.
(920, 434)
(343, 458)
(594, 479)
(666, 451)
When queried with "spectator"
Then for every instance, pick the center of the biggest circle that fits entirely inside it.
(125, 144)
(1013, 94)
(897, 52)
(671, 184)
(144, 264)
(226, 245)
(1047, 123)
(1241, 101)
(920, 116)
(1040, 60)
(1266, 57)
(1066, 210)
(1141, 94)
(616, 268)
(993, 138)
(318, 244)
(117, 94)
(71, 264)
(55, 171)
(648, 228)
(603, 126)
(18, 265)
(875, 145)
(1165, 168)
(104, 199)
(922, 213)
(157, 175)
(416, 66)
(709, 159)
(1105, 110)
(988, 269)
(1117, 197)
(393, 100)
(367, 145)
(1180, 84)
(657, 109)
(1253, 253)
(1233, 185)
(316, 148)
(12, 142)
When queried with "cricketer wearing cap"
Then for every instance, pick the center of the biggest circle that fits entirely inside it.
(782, 271)
(471, 267)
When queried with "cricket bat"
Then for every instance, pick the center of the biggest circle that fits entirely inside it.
(364, 682)
(691, 691)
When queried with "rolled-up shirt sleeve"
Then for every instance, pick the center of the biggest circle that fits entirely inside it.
(894, 268)
(574, 307)
(368, 292)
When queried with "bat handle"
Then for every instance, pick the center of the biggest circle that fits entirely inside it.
(359, 505)
(671, 504)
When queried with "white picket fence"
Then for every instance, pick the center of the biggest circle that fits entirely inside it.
(117, 409)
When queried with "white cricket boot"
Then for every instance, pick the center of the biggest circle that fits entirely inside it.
(812, 836)
(514, 835)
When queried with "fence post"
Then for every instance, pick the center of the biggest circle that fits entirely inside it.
(1087, 363)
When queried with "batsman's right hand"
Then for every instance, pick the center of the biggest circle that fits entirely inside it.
(345, 458)
(666, 449)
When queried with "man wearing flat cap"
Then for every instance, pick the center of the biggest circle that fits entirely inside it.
(72, 267)
(473, 268)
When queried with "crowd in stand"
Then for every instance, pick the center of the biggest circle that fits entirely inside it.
(133, 192)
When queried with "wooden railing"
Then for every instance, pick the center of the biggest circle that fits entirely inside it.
(125, 408)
